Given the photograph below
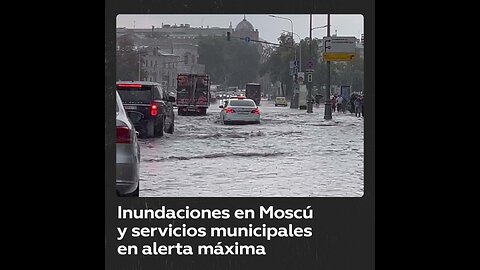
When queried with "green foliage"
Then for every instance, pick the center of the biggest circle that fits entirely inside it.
(236, 62)
(348, 73)
(127, 60)
(231, 63)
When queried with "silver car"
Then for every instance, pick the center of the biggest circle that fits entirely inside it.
(128, 154)
(240, 110)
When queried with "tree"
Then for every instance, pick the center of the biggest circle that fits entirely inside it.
(127, 60)
(232, 63)
(349, 73)
(278, 65)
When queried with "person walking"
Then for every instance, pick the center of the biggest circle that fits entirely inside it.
(339, 103)
(334, 103)
(358, 106)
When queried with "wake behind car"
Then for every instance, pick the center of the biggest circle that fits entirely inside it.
(128, 154)
(149, 107)
(240, 110)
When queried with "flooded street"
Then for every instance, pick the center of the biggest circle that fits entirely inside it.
(289, 154)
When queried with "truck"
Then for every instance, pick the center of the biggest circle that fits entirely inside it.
(193, 94)
(252, 91)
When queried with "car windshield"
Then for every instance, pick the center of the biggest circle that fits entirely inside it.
(135, 94)
(243, 103)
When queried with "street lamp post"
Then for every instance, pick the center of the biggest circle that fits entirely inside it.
(285, 18)
(309, 83)
(300, 58)
(293, 102)
(328, 103)
(310, 106)
(139, 62)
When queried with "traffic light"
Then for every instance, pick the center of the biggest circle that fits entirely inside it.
(228, 36)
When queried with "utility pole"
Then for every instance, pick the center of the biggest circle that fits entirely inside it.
(309, 80)
(139, 65)
(328, 102)
(294, 101)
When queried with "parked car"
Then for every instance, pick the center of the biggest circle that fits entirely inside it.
(128, 154)
(240, 110)
(149, 106)
(281, 101)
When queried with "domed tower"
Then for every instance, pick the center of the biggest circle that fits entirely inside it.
(245, 29)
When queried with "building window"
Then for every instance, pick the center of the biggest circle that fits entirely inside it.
(155, 63)
(185, 59)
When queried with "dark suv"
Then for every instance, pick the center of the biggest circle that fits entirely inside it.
(148, 106)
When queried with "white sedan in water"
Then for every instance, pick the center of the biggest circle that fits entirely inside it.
(240, 110)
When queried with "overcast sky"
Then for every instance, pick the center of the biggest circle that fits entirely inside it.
(269, 28)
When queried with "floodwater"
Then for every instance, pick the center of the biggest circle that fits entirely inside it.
(289, 154)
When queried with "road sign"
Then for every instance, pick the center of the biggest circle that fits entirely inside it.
(310, 64)
(339, 48)
(294, 64)
(247, 39)
(309, 77)
(332, 56)
(339, 44)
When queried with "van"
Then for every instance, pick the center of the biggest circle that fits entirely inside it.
(280, 101)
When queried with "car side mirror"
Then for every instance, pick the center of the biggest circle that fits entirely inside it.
(221, 106)
(171, 99)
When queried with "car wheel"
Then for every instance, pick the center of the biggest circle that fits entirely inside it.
(159, 128)
(150, 128)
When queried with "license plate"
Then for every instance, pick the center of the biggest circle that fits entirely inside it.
(130, 107)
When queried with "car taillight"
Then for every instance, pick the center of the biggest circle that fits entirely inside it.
(153, 110)
(256, 111)
(129, 85)
(123, 135)
(229, 110)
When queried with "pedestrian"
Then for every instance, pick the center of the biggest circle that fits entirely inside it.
(358, 106)
(317, 100)
(334, 103)
(340, 104)
(351, 103)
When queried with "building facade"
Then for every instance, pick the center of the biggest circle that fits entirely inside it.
(177, 45)
(160, 67)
